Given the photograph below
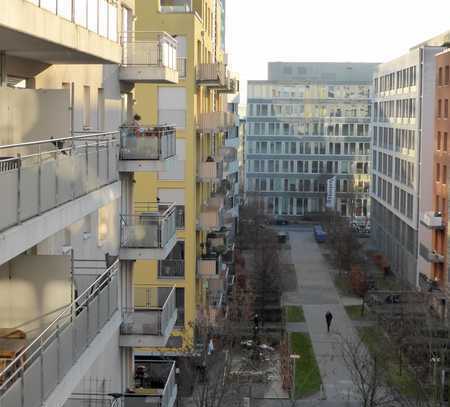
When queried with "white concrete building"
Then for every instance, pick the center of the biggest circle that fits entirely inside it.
(402, 157)
(68, 320)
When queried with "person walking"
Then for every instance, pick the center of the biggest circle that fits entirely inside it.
(328, 318)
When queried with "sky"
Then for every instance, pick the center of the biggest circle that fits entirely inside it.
(259, 31)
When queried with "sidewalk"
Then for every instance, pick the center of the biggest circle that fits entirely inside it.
(317, 294)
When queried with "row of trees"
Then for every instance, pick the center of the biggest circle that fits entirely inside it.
(230, 354)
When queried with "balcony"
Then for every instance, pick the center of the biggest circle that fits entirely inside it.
(175, 6)
(217, 241)
(434, 257)
(152, 319)
(212, 75)
(210, 171)
(154, 385)
(231, 85)
(47, 185)
(149, 233)
(61, 31)
(433, 220)
(210, 266)
(67, 348)
(148, 148)
(148, 57)
(216, 121)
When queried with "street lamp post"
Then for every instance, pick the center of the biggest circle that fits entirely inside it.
(293, 357)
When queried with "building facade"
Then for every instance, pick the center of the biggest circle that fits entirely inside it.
(201, 178)
(69, 232)
(402, 153)
(436, 221)
(307, 124)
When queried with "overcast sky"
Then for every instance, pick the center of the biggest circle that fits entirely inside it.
(259, 31)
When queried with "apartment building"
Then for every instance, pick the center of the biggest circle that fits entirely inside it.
(201, 178)
(307, 124)
(69, 234)
(436, 220)
(402, 156)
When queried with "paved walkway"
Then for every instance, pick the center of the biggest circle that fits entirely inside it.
(317, 294)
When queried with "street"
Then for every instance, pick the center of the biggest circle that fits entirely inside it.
(317, 294)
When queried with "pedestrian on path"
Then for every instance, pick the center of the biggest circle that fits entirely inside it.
(328, 318)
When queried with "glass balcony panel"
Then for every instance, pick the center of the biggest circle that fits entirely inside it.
(65, 9)
(41, 180)
(147, 143)
(154, 310)
(57, 348)
(152, 226)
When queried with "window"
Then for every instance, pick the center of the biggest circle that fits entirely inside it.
(440, 76)
(179, 216)
(438, 172)
(447, 75)
(439, 109)
(445, 141)
(172, 106)
(444, 174)
(86, 107)
(446, 108)
(438, 144)
(179, 303)
(100, 109)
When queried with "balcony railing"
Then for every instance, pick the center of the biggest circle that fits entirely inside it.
(175, 6)
(216, 121)
(99, 16)
(214, 75)
(38, 176)
(34, 374)
(153, 313)
(154, 385)
(171, 268)
(210, 170)
(152, 226)
(209, 266)
(148, 56)
(433, 220)
(147, 142)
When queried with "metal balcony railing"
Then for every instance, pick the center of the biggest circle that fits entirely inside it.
(32, 376)
(214, 74)
(154, 309)
(209, 265)
(154, 385)
(147, 142)
(38, 176)
(216, 121)
(210, 170)
(171, 268)
(152, 226)
(433, 220)
(149, 48)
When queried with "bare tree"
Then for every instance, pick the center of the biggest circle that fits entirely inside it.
(258, 243)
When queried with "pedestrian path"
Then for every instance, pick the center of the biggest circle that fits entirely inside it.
(317, 294)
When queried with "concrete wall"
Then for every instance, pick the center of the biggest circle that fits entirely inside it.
(102, 378)
(30, 115)
(33, 289)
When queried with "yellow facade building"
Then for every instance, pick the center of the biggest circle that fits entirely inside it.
(195, 179)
